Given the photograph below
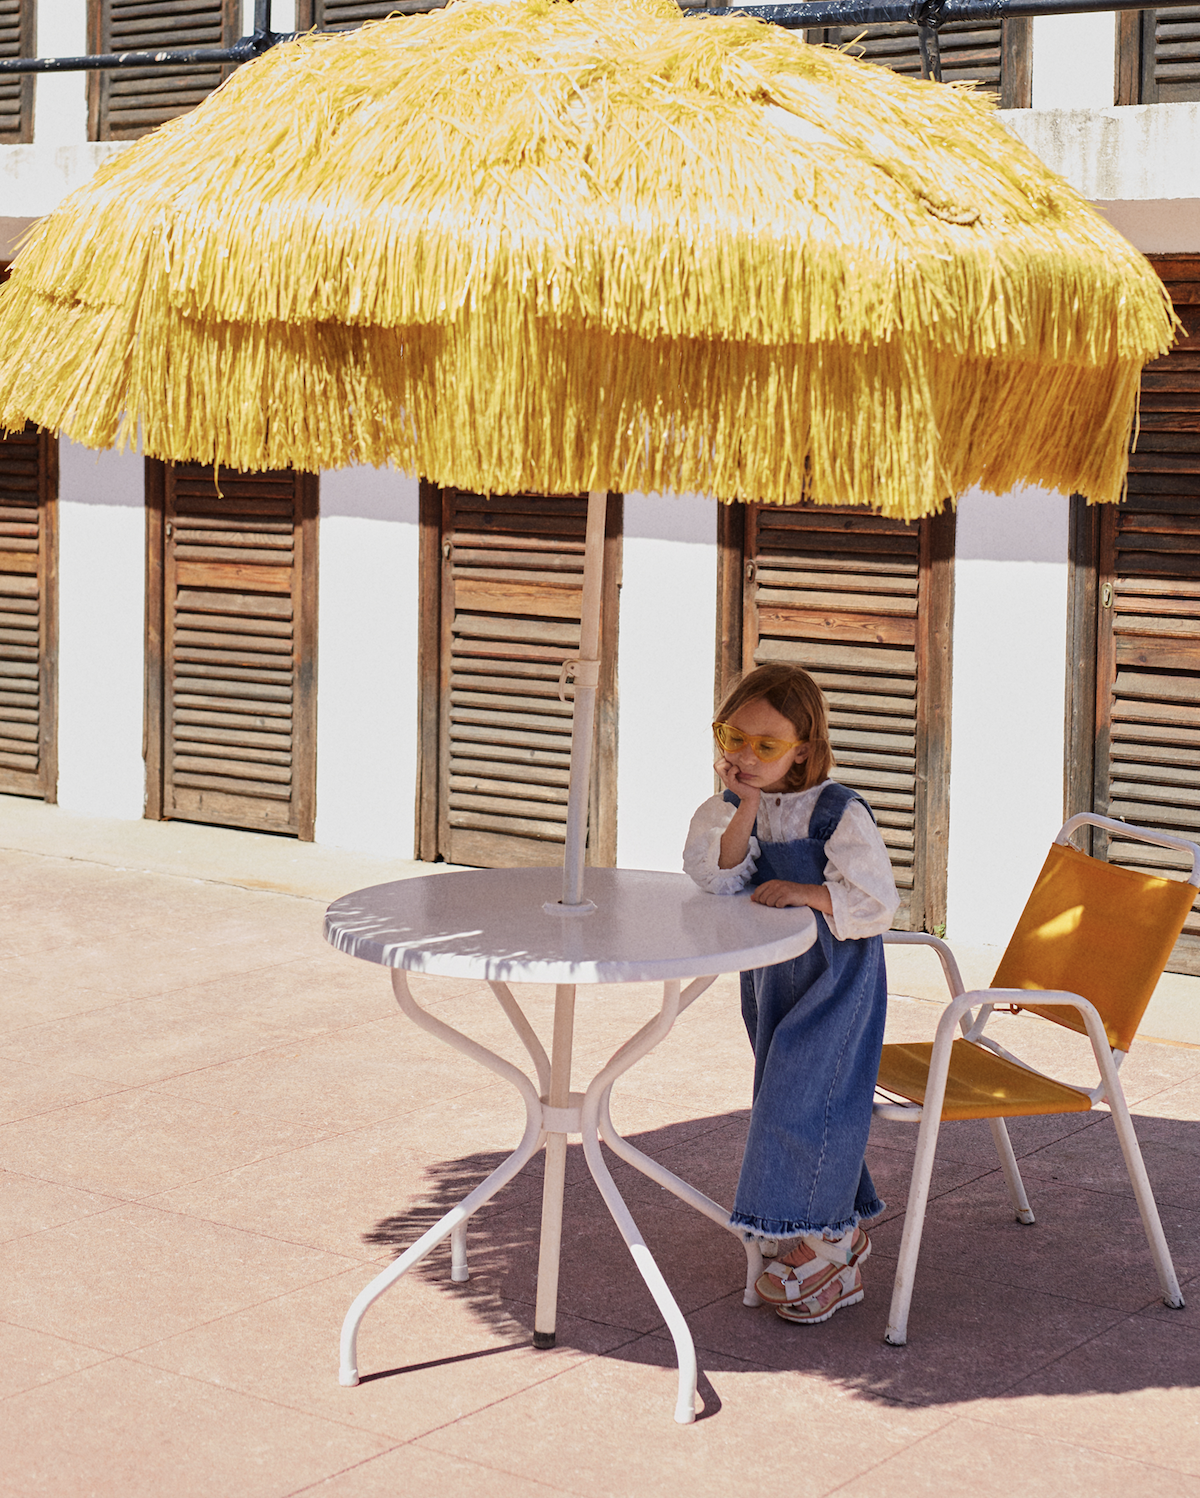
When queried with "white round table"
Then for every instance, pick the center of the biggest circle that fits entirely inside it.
(504, 926)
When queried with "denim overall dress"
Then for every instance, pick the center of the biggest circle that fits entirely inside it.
(816, 1025)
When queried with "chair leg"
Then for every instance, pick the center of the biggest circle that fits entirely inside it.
(1012, 1175)
(896, 1334)
(1147, 1206)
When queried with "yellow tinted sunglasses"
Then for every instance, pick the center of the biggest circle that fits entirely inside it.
(733, 741)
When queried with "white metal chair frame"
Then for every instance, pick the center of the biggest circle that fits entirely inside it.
(969, 1012)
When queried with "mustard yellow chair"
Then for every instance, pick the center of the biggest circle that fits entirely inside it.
(1089, 948)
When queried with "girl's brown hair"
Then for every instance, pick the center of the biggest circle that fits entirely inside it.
(790, 690)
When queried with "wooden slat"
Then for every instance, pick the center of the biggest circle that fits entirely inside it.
(1147, 758)
(16, 90)
(345, 15)
(495, 752)
(28, 612)
(970, 51)
(124, 105)
(852, 598)
(230, 723)
(1177, 55)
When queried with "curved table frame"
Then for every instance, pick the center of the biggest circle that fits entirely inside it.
(588, 1115)
(499, 927)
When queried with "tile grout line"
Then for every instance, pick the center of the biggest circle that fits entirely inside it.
(132, 1357)
(883, 1461)
(1081, 1446)
(400, 1446)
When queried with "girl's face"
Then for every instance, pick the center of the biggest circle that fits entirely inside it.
(760, 720)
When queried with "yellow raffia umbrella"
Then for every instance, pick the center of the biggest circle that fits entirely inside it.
(551, 246)
(554, 247)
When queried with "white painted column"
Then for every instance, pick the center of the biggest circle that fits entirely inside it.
(283, 16)
(1007, 734)
(367, 662)
(60, 99)
(101, 630)
(1074, 61)
(665, 675)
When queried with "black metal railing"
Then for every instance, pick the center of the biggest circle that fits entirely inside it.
(927, 15)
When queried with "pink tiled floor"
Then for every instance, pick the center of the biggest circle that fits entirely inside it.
(214, 1129)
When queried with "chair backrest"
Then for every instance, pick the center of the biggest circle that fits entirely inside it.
(1097, 930)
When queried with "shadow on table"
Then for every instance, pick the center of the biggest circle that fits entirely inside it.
(1068, 1306)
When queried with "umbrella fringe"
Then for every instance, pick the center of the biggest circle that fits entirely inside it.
(526, 406)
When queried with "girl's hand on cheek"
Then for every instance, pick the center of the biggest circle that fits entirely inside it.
(728, 775)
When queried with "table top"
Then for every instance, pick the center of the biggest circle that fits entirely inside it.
(489, 923)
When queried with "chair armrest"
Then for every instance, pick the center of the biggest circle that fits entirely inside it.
(922, 939)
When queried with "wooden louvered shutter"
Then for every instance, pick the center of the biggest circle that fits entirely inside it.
(345, 15)
(1158, 56)
(1147, 761)
(864, 604)
(231, 675)
(16, 89)
(502, 587)
(28, 614)
(997, 56)
(129, 102)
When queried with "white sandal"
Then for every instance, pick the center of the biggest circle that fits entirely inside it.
(782, 1283)
(844, 1289)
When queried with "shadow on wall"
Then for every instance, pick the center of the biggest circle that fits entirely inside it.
(1068, 1306)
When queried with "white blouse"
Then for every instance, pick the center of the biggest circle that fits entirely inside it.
(858, 872)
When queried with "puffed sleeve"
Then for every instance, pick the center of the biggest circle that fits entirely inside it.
(858, 875)
(702, 851)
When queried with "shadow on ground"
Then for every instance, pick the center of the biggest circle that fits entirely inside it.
(1067, 1306)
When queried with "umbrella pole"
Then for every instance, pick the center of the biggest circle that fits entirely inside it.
(587, 682)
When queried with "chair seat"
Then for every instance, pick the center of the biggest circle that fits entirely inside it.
(980, 1083)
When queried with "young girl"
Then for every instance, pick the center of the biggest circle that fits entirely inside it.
(816, 1023)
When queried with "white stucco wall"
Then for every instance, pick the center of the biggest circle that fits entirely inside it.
(101, 659)
(367, 661)
(1010, 637)
(668, 629)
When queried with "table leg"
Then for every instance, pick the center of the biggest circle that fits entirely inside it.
(546, 1308)
(646, 1038)
(669, 1181)
(453, 1224)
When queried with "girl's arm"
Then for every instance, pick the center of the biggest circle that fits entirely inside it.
(702, 851)
(781, 892)
(735, 840)
(858, 877)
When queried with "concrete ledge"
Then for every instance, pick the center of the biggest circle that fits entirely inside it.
(34, 179)
(1126, 151)
(222, 855)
